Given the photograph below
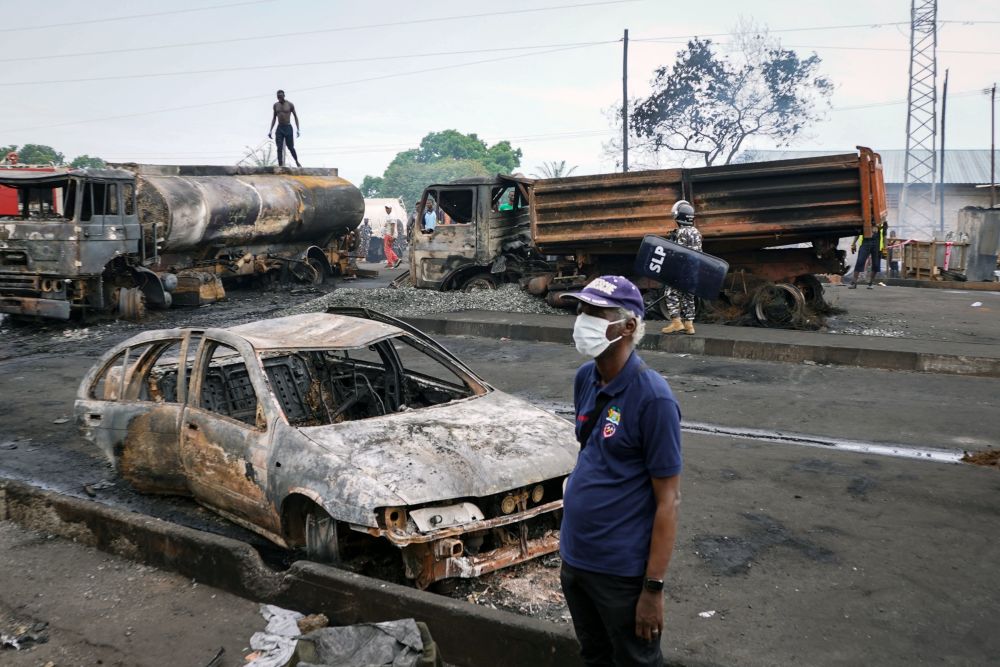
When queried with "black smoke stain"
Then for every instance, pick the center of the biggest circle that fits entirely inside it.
(730, 556)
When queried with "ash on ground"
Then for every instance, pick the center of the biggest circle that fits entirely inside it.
(530, 589)
(407, 301)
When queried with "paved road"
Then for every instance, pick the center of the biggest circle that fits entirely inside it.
(807, 555)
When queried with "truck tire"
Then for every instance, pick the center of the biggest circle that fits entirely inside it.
(321, 536)
(812, 290)
(479, 281)
(779, 305)
(131, 303)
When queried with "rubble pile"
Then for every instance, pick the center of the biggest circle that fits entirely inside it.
(407, 301)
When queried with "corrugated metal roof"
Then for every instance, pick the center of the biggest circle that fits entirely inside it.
(961, 166)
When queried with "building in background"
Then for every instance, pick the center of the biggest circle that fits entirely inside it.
(965, 172)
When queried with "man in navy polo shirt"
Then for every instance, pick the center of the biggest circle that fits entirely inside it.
(620, 504)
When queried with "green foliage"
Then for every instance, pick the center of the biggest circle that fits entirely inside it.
(371, 186)
(41, 154)
(553, 169)
(82, 161)
(38, 154)
(708, 104)
(441, 157)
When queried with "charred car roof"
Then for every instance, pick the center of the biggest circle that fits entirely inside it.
(314, 331)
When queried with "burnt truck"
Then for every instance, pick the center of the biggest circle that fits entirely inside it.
(776, 223)
(114, 240)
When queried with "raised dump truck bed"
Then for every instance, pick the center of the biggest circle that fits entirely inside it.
(777, 224)
(739, 207)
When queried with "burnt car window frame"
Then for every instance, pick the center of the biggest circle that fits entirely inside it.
(186, 358)
(206, 351)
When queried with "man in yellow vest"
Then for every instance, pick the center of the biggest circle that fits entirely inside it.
(871, 247)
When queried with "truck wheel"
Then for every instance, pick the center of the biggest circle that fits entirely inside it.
(319, 273)
(480, 281)
(131, 303)
(812, 290)
(780, 305)
(321, 536)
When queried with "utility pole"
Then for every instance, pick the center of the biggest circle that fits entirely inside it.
(916, 202)
(944, 106)
(625, 102)
(993, 146)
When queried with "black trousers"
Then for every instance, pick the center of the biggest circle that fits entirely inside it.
(869, 248)
(603, 610)
(285, 136)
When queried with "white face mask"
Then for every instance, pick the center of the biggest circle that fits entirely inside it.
(591, 334)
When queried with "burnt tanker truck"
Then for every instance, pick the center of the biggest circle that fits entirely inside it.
(115, 240)
(776, 223)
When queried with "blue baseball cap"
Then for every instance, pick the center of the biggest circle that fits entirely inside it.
(611, 292)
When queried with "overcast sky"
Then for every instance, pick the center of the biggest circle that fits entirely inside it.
(367, 85)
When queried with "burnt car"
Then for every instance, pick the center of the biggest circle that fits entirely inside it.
(335, 433)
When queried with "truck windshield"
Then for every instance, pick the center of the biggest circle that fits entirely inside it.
(52, 200)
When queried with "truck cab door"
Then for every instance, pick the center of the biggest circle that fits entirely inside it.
(454, 242)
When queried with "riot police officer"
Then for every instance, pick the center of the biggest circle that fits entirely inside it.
(681, 305)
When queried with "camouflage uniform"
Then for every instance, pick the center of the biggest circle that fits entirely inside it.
(681, 304)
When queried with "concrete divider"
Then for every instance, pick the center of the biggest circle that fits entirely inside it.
(467, 634)
(742, 343)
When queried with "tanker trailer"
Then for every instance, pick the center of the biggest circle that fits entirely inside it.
(114, 240)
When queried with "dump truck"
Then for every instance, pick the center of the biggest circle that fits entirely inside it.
(776, 223)
(116, 239)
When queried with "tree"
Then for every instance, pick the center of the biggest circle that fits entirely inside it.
(35, 154)
(553, 169)
(709, 104)
(38, 154)
(82, 161)
(441, 157)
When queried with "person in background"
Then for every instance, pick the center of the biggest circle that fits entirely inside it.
(430, 217)
(681, 304)
(389, 232)
(510, 203)
(620, 502)
(871, 247)
(894, 250)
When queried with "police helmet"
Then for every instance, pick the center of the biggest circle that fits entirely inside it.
(683, 212)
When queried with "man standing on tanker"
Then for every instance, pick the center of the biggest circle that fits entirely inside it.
(283, 112)
(681, 305)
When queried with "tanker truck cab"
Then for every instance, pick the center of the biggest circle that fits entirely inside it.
(482, 231)
(66, 228)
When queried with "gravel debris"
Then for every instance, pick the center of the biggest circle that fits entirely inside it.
(408, 301)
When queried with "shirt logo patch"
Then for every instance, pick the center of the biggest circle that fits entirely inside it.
(614, 415)
(609, 430)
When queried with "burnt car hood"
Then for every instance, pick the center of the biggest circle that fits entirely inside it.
(468, 448)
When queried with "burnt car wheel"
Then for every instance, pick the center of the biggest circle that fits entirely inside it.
(321, 537)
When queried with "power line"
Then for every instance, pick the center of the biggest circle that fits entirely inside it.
(309, 88)
(888, 24)
(827, 46)
(234, 40)
(300, 64)
(129, 17)
(365, 148)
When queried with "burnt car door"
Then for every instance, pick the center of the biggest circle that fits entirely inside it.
(130, 406)
(226, 432)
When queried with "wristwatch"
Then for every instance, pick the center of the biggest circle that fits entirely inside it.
(653, 585)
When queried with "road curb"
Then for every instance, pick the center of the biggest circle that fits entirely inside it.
(837, 355)
(468, 634)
